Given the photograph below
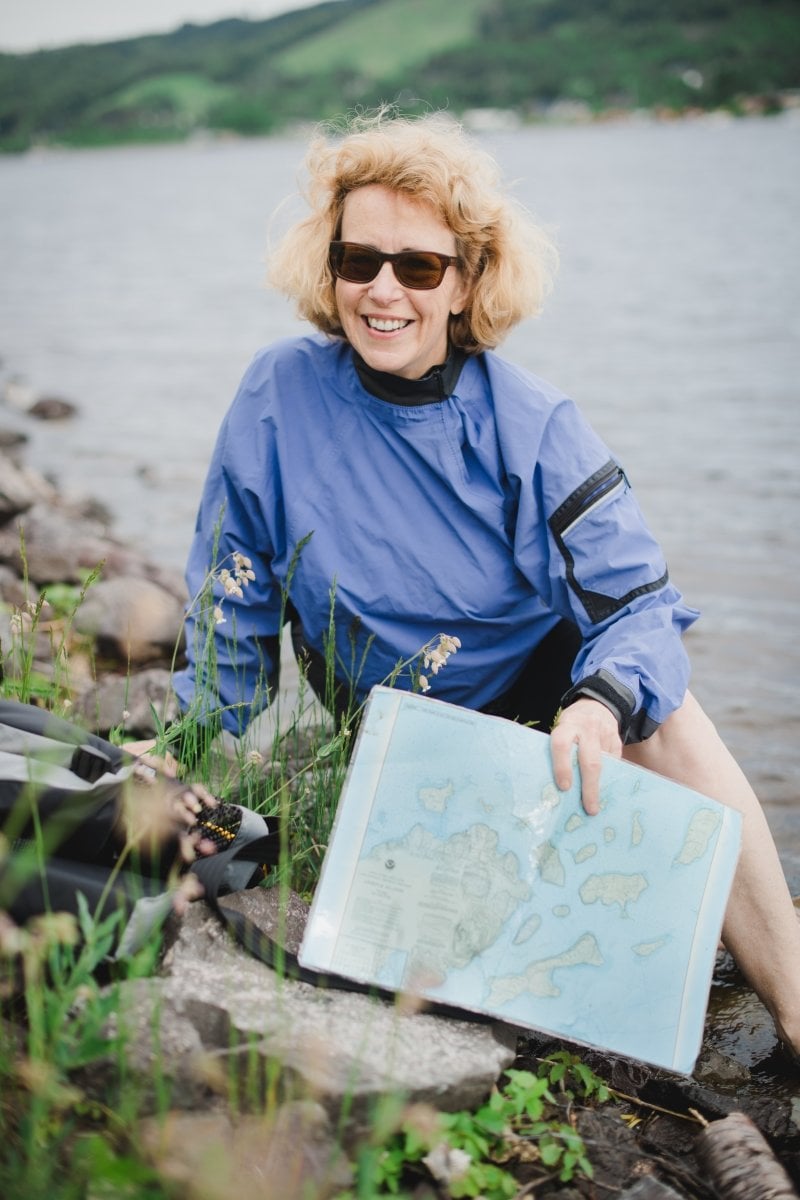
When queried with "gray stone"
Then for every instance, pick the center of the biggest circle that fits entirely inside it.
(62, 543)
(715, 1069)
(649, 1188)
(337, 1046)
(52, 408)
(20, 488)
(158, 1043)
(284, 922)
(122, 701)
(12, 588)
(59, 547)
(284, 1155)
(135, 616)
(12, 439)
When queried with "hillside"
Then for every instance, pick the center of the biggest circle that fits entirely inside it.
(253, 77)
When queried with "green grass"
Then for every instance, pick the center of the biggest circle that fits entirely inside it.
(186, 97)
(62, 1140)
(391, 38)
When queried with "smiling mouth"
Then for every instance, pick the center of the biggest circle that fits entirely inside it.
(385, 325)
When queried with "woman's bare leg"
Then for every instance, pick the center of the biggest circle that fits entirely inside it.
(761, 928)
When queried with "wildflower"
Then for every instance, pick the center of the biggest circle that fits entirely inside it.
(229, 583)
(255, 757)
(13, 940)
(233, 582)
(55, 929)
(243, 568)
(437, 657)
(126, 716)
(424, 686)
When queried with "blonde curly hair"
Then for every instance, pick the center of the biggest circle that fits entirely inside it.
(507, 258)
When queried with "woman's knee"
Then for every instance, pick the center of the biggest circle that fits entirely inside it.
(688, 736)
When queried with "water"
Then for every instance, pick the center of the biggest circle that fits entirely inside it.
(132, 283)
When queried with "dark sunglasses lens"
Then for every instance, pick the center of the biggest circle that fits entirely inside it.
(359, 264)
(419, 270)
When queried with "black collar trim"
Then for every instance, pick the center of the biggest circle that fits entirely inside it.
(439, 383)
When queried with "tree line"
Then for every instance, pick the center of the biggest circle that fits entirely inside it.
(256, 77)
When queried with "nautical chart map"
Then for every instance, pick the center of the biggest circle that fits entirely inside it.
(457, 871)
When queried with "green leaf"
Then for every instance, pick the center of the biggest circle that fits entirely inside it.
(550, 1153)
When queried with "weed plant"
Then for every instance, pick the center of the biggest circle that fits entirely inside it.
(60, 1020)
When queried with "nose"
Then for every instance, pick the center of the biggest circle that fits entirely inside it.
(385, 287)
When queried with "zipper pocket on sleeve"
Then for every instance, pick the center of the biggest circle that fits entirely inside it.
(609, 478)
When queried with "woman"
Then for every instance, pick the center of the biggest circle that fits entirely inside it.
(391, 477)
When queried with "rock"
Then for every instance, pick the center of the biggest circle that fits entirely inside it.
(12, 588)
(615, 1153)
(61, 548)
(133, 617)
(649, 1188)
(289, 1154)
(343, 1048)
(12, 439)
(52, 408)
(151, 1042)
(716, 1069)
(20, 489)
(283, 922)
(18, 394)
(116, 701)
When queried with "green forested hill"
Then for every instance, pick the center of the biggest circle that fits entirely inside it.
(256, 76)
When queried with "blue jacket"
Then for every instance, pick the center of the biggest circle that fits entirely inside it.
(488, 516)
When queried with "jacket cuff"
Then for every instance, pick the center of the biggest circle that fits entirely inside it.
(607, 690)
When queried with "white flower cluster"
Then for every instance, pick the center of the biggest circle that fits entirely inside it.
(22, 619)
(434, 659)
(233, 581)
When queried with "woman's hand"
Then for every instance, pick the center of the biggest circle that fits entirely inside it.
(179, 806)
(141, 750)
(594, 728)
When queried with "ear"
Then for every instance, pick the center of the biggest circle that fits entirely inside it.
(461, 296)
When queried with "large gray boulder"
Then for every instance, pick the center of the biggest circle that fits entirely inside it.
(215, 1005)
(137, 617)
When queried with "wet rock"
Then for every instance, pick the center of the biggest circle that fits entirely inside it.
(133, 618)
(12, 439)
(52, 408)
(716, 1069)
(650, 1188)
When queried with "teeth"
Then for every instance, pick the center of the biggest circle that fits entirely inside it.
(384, 326)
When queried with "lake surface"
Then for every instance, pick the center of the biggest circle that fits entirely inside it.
(132, 283)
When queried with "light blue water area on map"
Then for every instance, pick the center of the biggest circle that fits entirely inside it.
(458, 871)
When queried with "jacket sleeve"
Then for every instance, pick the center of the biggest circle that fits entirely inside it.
(606, 572)
(233, 622)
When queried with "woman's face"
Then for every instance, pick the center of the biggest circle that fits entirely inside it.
(395, 328)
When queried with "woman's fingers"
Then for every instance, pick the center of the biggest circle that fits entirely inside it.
(593, 728)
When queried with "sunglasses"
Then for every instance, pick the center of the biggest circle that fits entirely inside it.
(422, 270)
